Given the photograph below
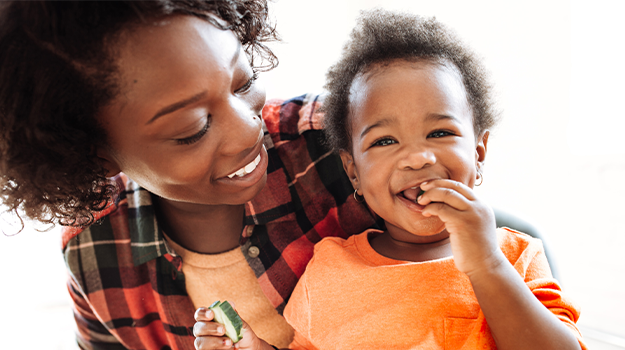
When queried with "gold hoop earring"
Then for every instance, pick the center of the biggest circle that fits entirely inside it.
(358, 197)
(480, 178)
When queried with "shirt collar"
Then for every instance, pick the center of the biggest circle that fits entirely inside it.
(147, 239)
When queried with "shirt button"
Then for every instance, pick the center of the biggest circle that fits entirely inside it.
(249, 230)
(253, 251)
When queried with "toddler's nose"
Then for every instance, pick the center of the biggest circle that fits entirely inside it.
(416, 158)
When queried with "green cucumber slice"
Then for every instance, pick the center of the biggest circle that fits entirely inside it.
(421, 192)
(225, 314)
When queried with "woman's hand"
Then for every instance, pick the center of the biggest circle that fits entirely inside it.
(211, 335)
(469, 221)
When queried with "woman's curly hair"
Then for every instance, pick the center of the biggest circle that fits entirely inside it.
(382, 36)
(57, 71)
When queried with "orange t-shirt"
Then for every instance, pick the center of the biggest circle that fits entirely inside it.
(351, 297)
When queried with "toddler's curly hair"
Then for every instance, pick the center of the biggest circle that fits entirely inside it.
(380, 37)
(57, 70)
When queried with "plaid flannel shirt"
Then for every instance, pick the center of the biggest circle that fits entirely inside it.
(127, 285)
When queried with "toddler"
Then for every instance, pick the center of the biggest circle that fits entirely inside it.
(409, 112)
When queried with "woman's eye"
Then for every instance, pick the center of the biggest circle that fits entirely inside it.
(195, 138)
(384, 142)
(439, 133)
(248, 84)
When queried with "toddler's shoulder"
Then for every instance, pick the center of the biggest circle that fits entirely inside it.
(332, 244)
(516, 245)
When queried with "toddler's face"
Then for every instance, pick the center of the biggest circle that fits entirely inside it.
(410, 123)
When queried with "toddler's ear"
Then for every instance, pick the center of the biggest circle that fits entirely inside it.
(350, 168)
(108, 162)
(481, 148)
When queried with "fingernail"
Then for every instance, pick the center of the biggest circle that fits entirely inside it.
(227, 342)
(220, 330)
(424, 183)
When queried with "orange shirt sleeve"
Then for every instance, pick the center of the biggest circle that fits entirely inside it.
(297, 314)
(531, 263)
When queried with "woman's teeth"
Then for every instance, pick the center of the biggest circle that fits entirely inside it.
(246, 169)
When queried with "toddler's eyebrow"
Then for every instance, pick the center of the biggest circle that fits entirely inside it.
(436, 116)
(387, 121)
(377, 124)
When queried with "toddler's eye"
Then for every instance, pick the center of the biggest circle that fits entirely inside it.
(384, 142)
(440, 133)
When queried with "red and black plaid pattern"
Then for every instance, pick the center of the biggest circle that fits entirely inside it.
(127, 286)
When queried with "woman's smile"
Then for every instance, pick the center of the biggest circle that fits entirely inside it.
(251, 173)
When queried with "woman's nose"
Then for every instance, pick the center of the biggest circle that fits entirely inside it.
(416, 157)
(241, 126)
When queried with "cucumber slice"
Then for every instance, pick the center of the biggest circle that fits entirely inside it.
(225, 314)
(419, 195)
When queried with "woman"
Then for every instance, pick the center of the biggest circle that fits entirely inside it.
(140, 126)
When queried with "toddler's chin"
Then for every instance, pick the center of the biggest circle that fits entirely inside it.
(429, 227)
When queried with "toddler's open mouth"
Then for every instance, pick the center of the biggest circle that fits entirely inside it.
(412, 193)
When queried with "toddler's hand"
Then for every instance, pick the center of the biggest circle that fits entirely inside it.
(211, 335)
(469, 221)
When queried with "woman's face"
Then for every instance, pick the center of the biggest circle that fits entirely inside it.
(188, 114)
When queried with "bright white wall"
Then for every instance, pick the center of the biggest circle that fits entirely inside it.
(557, 159)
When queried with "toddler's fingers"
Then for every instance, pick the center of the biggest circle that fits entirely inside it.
(202, 329)
(203, 314)
(456, 186)
(442, 210)
(444, 195)
(205, 343)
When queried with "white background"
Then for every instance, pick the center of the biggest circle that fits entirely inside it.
(557, 159)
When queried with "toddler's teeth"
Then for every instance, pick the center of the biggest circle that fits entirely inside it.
(231, 175)
(240, 172)
(257, 159)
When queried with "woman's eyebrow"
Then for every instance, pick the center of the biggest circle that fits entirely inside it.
(181, 104)
(177, 105)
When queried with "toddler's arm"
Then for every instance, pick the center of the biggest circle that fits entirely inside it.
(516, 318)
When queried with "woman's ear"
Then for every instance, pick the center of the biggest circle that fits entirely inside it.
(350, 168)
(481, 148)
(107, 161)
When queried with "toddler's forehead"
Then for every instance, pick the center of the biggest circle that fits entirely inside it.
(444, 75)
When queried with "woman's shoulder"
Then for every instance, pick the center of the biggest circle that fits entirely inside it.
(115, 204)
(290, 118)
